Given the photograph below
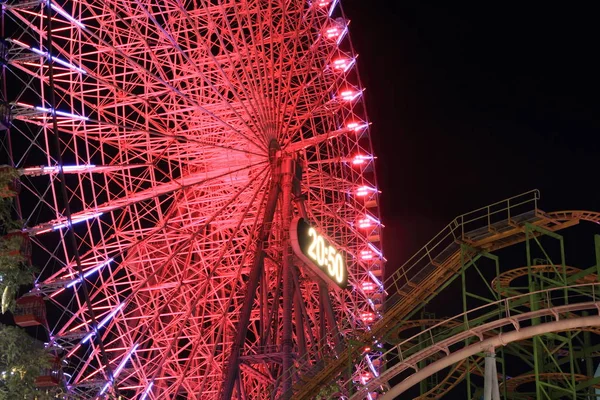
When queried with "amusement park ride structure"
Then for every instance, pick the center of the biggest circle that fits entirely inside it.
(196, 181)
(549, 323)
(163, 152)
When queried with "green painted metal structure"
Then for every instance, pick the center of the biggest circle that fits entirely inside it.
(469, 253)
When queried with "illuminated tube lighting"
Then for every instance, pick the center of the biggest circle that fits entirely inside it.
(79, 218)
(342, 64)
(57, 60)
(125, 360)
(66, 15)
(349, 95)
(62, 113)
(90, 272)
(104, 389)
(67, 169)
(148, 389)
(371, 366)
(377, 281)
(376, 250)
(75, 168)
(103, 322)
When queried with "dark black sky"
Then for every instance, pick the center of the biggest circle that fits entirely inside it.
(471, 105)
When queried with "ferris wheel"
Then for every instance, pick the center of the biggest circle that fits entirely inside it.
(197, 183)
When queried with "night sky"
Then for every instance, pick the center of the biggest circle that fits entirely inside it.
(471, 105)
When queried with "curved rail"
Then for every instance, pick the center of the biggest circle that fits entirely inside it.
(454, 377)
(490, 228)
(500, 340)
(473, 327)
(501, 284)
(513, 383)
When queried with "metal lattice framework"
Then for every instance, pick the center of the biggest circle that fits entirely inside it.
(164, 147)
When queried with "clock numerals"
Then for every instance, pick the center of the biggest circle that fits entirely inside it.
(326, 255)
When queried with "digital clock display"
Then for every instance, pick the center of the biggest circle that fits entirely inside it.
(321, 256)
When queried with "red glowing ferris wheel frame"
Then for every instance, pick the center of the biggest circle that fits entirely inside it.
(165, 116)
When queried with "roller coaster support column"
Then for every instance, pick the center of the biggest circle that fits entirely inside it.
(545, 356)
(597, 245)
(491, 388)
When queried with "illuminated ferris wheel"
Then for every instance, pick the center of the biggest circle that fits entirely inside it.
(197, 184)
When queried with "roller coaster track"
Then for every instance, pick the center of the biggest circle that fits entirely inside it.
(447, 350)
(454, 377)
(513, 383)
(459, 371)
(501, 284)
(494, 227)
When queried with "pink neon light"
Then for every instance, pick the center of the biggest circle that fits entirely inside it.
(367, 317)
(364, 191)
(20, 43)
(342, 64)
(57, 292)
(332, 33)
(366, 255)
(360, 159)
(368, 286)
(364, 378)
(364, 223)
(356, 126)
(348, 95)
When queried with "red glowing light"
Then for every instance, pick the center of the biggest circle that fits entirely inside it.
(342, 64)
(363, 191)
(360, 159)
(365, 223)
(356, 126)
(368, 286)
(365, 377)
(333, 32)
(367, 317)
(366, 255)
(349, 95)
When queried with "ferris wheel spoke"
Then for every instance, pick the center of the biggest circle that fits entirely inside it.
(198, 294)
(116, 134)
(237, 276)
(248, 46)
(254, 102)
(195, 232)
(199, 71)
(299, 72)
(156, 78)
(132, 198)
